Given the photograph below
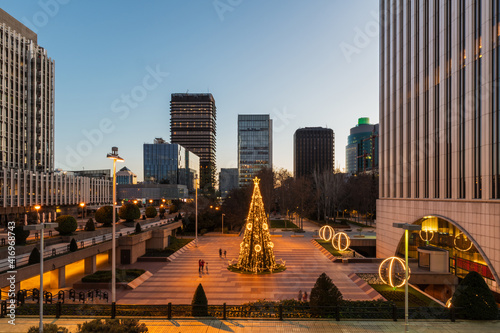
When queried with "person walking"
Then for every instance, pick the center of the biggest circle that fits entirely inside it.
(199, 266)
(202, 265)
(300, 295)
(206, 267)
(224, 254)
(220, 253)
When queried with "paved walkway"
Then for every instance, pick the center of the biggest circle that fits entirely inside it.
(271, 326)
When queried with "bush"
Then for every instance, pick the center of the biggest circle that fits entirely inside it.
(90, 226)
(104, 215)
(112, 326)
(48, 328)
(129, 212)
(199, 304)
(162, 210)
(475, 298)
(151, 212)
(324, 293)
(34, 257)
(72, 245)
(21, 235)
(66, 225)
(138, 228)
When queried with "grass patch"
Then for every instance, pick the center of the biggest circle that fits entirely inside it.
(278, 224)
(122, 275)
(175, 245)
(359, 224)
(329, 247)
(415, 298)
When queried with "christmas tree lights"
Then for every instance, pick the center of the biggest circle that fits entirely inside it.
(256, 249)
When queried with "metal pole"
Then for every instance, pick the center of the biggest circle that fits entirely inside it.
(40, 296)
(113, 237)
(223, 224)
(406, 283)
(196, 215)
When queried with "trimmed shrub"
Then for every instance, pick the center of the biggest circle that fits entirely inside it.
(129, 212)
(138, 228)
(21, 235)
(48, 328)
(90, 226)
(162, 210)
(151, 212)
(34, 257)
(104, 215)
(199, 304)
(323, 294)
(475, 298)
(66, 225)
(112, 326)
(72, 245)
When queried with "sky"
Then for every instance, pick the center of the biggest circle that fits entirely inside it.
(306, 63)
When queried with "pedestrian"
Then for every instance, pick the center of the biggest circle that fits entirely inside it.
(199, 266)
(305, 296)
(224, 253)
(202, 265)
(220, 253)
(300, 295)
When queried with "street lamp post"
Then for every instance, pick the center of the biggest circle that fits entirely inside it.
(114, 156)
(196, 210)
(406, 227)
(82, 204)
(223, 223)
(41, 227)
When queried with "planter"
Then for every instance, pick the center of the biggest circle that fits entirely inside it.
(107, 285)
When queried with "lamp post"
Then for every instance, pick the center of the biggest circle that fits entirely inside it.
(196, 211)
(114, 156)
(223, 223)
(41, 227)
(82, 204)
(406, 227)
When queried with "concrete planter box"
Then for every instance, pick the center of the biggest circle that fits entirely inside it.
(119, 285)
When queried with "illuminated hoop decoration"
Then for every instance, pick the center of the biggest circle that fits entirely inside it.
(258, 248)
(427, 233)
(264, 226)
(249, 226)
(448, 302)
(323, 232)
(392, 272)
(341, 242)
(462, 240)
(270, 245)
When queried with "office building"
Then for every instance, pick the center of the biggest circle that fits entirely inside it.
(228, 180)
(156, 192)
(439, 132)
(166, 163)
(27, 176)
(255, 145)
(361, 152)
(100, 174)
(313, 150)
(192, 125)
(125, 176)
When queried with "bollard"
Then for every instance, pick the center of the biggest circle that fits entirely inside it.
(103, 238)
(81, 296)
(36, 235)
(3, 312)
(224, 314)
(105, 296)
(20, 298)
(280, 309)
(90, 295)
(47, 297)
(35, 294)
(67, 248)
(72, 294)
(82, 245)
(98, 293)
(113, 310)
(60, 296)
(93, 241)
(3, 241)
(50, 233)
(58, 309)
(54, 252)
(169, 310)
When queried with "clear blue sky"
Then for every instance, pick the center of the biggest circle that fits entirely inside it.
(306, 63)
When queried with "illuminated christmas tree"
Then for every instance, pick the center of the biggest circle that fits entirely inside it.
(256, 249)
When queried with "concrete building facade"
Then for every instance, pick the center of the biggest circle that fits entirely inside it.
(361, 152)
(439, 131)
(125, 176)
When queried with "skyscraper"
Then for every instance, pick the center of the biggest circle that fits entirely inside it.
(361, 152)
(313, 149)
(228, 180)
(192, 125)
(27, 99)
(440, 133)
(255, 145)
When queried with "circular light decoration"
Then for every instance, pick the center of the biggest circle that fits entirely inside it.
(462, 242)
(242, 244)
(426, 235)
(270, 245)
(392, 272)
(249, 226)
(325, 231)
(341, 241)
(258, 248)
(448, 302)
(264, 226)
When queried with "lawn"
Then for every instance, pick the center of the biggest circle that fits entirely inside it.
(280, 224)
(175, 244)
(415, 298)
(122, 275)
(329, 247)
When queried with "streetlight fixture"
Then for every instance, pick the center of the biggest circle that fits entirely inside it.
(223, 223)
(406, 227)
(82, 204)
(41, 227)
(114, 156)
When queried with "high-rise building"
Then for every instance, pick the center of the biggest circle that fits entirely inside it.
(27, 99)
(166, 163)
(361, 152)
(255, 145)
(125, 177)
(313, 150)
(192, 125)
(228, 180)
(440, 133)
(27, 176)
